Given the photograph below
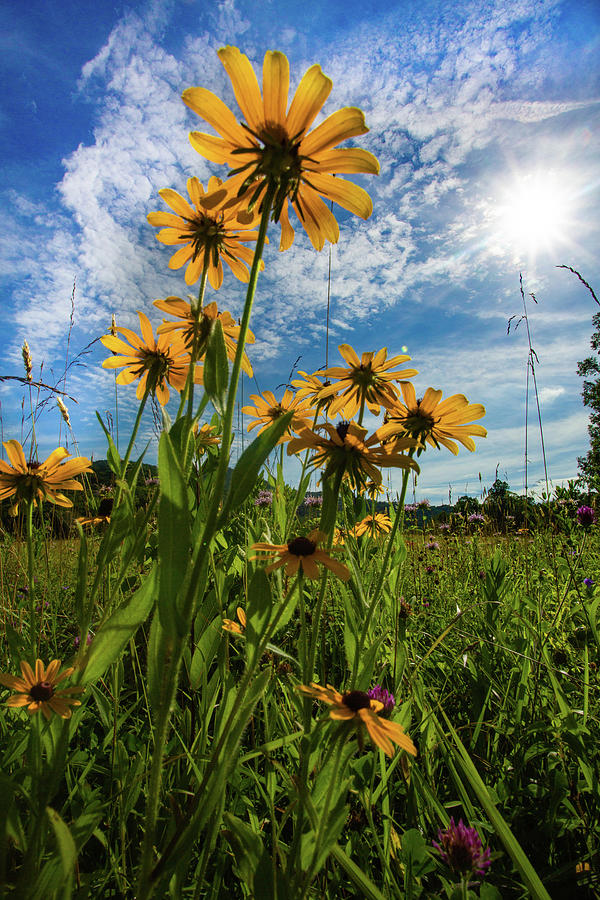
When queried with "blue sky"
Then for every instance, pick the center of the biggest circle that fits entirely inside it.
(485, 117)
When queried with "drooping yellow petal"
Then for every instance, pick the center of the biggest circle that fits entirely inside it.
(212, 148)
(212, 109)
(345, 161)
(339, 126)
(245, 85)
(345, 193)
(311, 94)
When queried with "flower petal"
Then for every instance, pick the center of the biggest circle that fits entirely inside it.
(345, 123)
(347, 194)
(245, 85)
(14, 451)
(311, 94)
(212, 109)
(276, 84)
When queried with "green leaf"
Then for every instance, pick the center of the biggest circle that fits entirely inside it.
(117, 631)
(216, 369)
(258, 613)
(173, 534)
(65, 844)
(249, 464)
(205, 652)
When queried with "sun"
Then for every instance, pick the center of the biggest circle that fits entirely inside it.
(534, 213)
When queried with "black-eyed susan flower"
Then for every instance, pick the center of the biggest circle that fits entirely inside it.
(156, 362)
(358, 707)
(434, 420)
(207, 236)
(309, 387)
(373, 525)
(206, 437)
(33, 481)
(267, 409)
(198, 328)
(38, 690)
(238, 627)
(301, 553)
(367, 380)
(346, 448)
(274, 149)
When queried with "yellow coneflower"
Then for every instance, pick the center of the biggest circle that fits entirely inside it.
(209, 234)
(301, 553)
(199, 327)
(206, 437)
(434, 420)
(238, 627)
(373, 525)
(30, 481)
(365, 381)
(274, 148)
(156, 362)
(346, 447)
(38, 690)
(358, 707)
(267, 410)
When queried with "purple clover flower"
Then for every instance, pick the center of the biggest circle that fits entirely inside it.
(444, 526)
(432, 545)
(410, 507)
(460, 848)
(586, 515)
(589, 583)
(476, 518)
(384, 696)
(265, 498)
(77, 640)
(313, 501)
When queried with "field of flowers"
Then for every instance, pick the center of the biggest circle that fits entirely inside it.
(221, 685)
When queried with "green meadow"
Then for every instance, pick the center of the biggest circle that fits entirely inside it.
(216, 683)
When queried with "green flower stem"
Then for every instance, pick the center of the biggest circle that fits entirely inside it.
(316, 624)
(30, 580)
(398, 520)
(221, 474)
(362, 410)
(219, 484)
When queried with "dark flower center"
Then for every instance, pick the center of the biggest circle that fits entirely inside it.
(301, 546)
(41, 691)
(356, 700)
(342, 429)
(418, 422)
(276, 412)
(207, 237)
